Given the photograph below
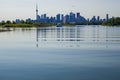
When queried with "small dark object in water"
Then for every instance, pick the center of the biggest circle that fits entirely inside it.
(59, 25)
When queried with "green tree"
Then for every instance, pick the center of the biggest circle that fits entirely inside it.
(114, 21)
(22, 21)
(14, 22)
(8, 22)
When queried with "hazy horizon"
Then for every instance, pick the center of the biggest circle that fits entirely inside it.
(23, 9)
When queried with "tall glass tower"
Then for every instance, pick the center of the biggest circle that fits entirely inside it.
(107, 17)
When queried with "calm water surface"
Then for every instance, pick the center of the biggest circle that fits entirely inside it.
(67, 53)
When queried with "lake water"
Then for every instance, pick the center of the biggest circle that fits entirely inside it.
(66, 53)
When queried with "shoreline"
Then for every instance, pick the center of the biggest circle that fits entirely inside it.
(44, 25)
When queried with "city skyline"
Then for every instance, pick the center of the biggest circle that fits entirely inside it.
(26, 8)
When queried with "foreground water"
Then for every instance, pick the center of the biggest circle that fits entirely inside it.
(67, 53)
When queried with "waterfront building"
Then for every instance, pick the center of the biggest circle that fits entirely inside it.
(78, 18)
(18, 21)
(62, 18)
(98, 19)
(93, 20)
(67, 19)
(72, 17)
(78, 15)
(58, 17)
(107, 17)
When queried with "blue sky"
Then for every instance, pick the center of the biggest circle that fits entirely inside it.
(22, 9)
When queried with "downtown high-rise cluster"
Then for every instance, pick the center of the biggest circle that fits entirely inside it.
(71, 18)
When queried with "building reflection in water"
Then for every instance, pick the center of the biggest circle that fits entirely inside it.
(72, 37)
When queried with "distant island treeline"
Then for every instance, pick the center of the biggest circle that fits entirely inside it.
(114, 21)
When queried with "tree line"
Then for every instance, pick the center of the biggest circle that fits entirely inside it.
(114, 21)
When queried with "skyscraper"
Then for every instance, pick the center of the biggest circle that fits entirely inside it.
(62, 18)
(78, 18)
(58, 17)
(98, 18)
(72, 17)
(67, 19)
(78, 15)
(107, 17)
